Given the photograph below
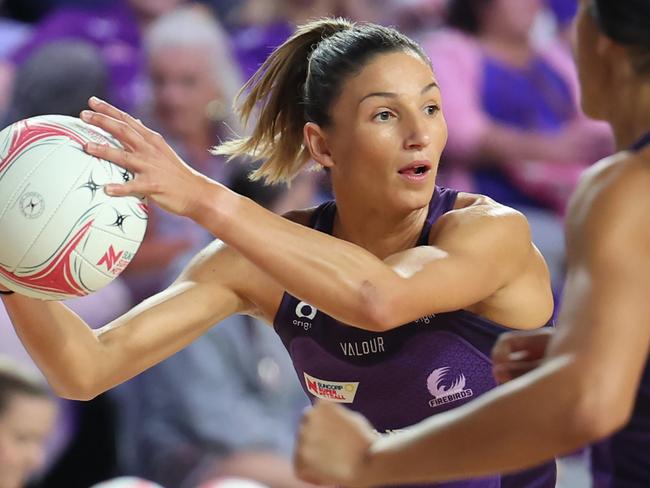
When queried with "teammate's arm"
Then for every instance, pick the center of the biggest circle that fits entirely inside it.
(584, 391)
(80, 363)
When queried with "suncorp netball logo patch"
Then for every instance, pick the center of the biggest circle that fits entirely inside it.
(340, 392)
(446, 390)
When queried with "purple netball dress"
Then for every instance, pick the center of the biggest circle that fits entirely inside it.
(623, 460)
(399, 377)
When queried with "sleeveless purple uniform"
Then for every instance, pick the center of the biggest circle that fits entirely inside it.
(399, 377)
(623, 460)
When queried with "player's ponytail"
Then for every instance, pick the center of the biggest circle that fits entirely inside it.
(277, 90)
(298, 83)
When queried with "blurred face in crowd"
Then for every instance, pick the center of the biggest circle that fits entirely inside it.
(25, 425)
(511, 18)
(317, 8)
(184, 88)
(366, 10)
(150, 9)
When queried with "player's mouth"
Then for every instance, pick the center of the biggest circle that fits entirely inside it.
(416, 170)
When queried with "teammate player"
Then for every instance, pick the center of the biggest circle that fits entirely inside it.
(389, 299)
(587, 387)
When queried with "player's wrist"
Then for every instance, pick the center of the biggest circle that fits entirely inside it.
(369, 471)
(382, 463)
(214, 207)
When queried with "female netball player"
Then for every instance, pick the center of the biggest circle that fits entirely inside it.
(595, 378)
(388, 299)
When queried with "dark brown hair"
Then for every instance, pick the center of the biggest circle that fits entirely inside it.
(627, 22)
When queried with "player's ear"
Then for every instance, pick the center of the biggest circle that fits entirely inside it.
(316, 141)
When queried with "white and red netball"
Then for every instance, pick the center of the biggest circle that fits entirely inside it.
(61, 236)
(232, 483)
(127, 482)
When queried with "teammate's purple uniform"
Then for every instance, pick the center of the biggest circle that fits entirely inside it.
(623, 460)
(399, 377)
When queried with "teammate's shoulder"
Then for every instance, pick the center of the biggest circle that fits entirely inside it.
(609, 206)
(300, 216)
(618, 181)
(618, 166)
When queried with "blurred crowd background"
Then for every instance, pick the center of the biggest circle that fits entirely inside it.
(228, 405)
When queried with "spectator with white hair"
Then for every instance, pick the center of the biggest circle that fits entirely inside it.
(193, 80)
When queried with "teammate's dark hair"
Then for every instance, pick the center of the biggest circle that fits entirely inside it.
(627, 22)
(298, 83)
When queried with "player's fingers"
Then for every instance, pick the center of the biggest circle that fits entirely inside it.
(301, 465)
(519, 345)
(106, 108)
(133, 188)
(118, 156)
(508, 371)
(501, 349)
(532, 338)
(304, 467)
(117, 128)
(306, 475)
(509, 356)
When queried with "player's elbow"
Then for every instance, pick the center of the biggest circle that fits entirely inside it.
(70, 392)
(378, 308)
(597, 413)
(81, 387)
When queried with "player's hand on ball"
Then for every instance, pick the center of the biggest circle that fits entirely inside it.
(517, 353)
(333, 446)
(159, 173)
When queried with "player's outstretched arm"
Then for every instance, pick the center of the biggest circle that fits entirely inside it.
(80, 363)
(484, 247)
(584, 391)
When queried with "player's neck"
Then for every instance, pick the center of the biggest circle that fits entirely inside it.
(376, 230)
(630, 119)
